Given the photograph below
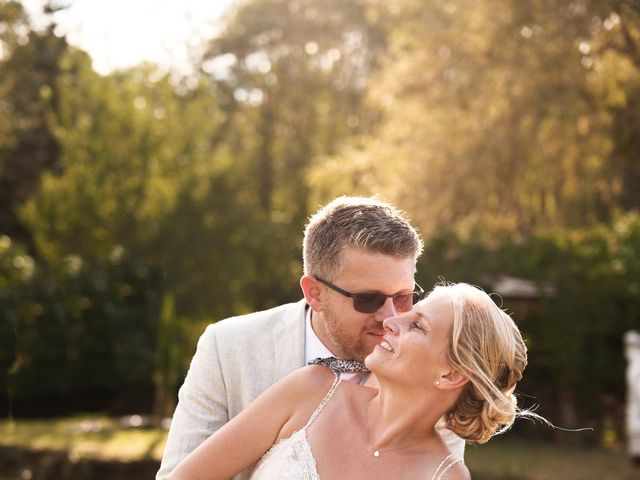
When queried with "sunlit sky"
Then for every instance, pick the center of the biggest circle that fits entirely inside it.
(123, 33)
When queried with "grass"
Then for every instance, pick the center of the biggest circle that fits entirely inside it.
(85, 436)
(512, 458)
(504, 458)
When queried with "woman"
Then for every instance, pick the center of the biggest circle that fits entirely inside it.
(456, 354)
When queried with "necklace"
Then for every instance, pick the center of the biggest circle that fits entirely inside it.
(376, 453)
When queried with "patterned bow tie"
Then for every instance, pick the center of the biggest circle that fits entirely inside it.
(338, 365)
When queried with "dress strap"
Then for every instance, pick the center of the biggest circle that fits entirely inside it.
(448, 462)
(327, 397)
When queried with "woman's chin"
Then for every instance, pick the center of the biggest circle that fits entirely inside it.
(371, 361)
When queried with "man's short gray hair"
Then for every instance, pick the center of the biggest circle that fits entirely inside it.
(358, 222)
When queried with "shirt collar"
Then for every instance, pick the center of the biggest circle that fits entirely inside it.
(313, 347)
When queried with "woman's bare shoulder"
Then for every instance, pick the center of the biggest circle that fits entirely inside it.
(300, 393)
(304, 383)
(311, 380)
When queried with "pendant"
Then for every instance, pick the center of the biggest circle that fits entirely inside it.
(376, 453)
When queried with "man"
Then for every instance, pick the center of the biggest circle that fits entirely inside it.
(359, 262)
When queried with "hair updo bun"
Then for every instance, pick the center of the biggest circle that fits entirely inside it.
(477, 420)
(487, 347)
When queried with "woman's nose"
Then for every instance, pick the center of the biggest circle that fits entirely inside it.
(391, 324)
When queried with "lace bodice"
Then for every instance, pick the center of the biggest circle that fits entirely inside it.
(289, 459)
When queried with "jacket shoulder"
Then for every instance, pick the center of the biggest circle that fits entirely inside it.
(242, 328)
(241, 323)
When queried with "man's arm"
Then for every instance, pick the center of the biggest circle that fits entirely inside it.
(202, 405)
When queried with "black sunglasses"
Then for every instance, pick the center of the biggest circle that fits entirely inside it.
(372, 302)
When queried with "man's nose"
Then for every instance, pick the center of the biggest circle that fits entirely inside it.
(391, 324)
(388, 309)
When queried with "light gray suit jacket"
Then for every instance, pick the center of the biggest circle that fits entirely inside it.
(236, 360)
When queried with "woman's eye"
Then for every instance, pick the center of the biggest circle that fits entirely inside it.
(416, 325)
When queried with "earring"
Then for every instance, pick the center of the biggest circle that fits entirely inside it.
(436, 383)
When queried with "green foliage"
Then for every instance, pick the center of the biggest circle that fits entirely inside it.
(84, 331)
(15, 268)
(29, 67)
(141, 178)
(506, 115)
(297, 72)
(167, 356)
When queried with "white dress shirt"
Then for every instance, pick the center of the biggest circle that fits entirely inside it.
(313, 347)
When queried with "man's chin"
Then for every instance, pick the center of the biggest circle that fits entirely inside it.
(370, 343)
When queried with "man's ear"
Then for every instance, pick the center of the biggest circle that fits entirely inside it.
(311, 289)
(451, 380)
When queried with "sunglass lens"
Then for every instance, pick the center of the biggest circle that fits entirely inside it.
(368, 302)
(403, 303)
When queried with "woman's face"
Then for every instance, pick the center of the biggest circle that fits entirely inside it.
(414, 347)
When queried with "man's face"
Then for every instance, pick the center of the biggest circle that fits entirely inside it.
(350, 334)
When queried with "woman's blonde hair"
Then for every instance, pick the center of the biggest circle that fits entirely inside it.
(487, 347)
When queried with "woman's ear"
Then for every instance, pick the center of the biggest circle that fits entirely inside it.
(311, 289)
(451, 380)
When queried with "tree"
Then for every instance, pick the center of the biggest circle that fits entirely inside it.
(494, 116)
(29, 68)
(141, 184)
(295, 73)
(615, 51)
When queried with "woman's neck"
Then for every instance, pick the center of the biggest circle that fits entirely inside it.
(397, 420)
